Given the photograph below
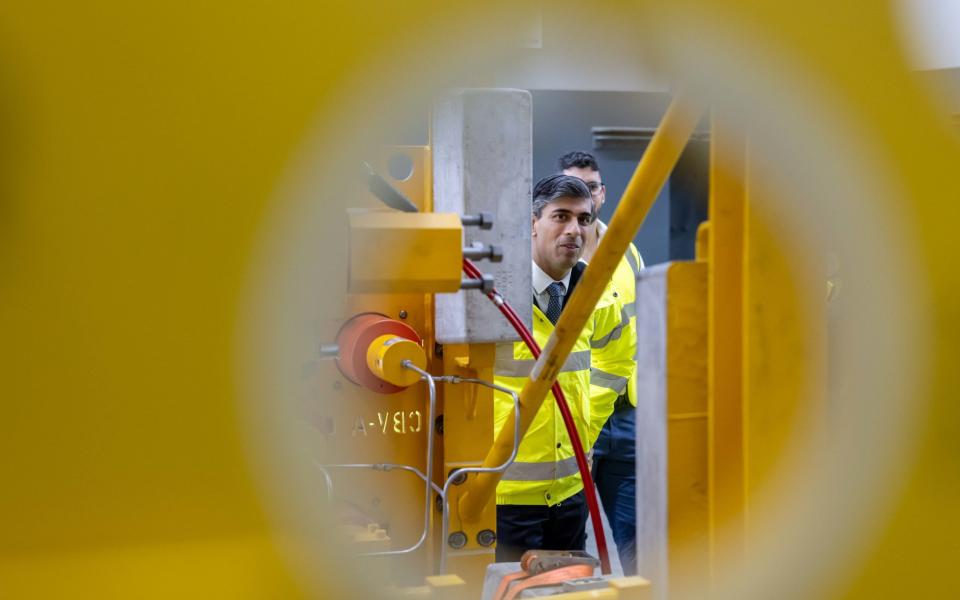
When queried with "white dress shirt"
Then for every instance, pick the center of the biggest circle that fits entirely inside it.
(541, 281)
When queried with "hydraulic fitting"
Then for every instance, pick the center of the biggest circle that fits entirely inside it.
(385, 356)
(373, 348)
(485, 284)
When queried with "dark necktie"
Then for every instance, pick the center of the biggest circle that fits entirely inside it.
(556, 291)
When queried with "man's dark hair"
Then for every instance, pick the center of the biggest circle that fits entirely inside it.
(554, 187)
(579, 160)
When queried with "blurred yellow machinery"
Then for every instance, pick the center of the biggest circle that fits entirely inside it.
(141, 148)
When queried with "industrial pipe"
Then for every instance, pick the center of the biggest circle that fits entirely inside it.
(652, 172)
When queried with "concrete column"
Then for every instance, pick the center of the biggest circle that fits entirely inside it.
(652, 427)
(482, 145)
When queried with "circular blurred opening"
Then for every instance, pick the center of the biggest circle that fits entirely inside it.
(843, 200)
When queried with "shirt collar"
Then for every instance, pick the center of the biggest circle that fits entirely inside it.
(541, 280)
(601, 229)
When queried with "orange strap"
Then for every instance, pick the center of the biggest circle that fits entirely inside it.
(549, 578)
(506, 581)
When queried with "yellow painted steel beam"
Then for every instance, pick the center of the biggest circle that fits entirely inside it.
(372, 427)
(725, 340)
(467, 431)
(654, 168)
(395, 252)
(702, 248)
(784, 349)
(688, 500)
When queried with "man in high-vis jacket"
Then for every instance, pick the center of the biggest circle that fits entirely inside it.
(614, 460)
(540, 500)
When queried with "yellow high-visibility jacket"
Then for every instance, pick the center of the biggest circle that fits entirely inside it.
(594, 375)
(624, 285)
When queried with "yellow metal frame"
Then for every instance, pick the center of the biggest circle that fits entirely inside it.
(468, 433)
(688, 422)
(379, 428)
(395, 252)
(725, 339)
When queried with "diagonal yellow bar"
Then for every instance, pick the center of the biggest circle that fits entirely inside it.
(652, 172)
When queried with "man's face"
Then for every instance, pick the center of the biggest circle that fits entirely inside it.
(558, 235)
(593, 181)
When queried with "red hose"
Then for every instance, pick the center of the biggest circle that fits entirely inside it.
(590, 491)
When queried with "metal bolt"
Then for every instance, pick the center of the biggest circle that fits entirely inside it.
(403, 314)
(457, 540)
(478, 251)
(459, 478)
(485, 284)
(438, 503)
(486, 220)
(483, 220)
(438, 425)
(486, 537)
(329, 350)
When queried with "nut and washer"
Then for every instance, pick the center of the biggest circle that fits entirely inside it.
(486, 537)
(457, 540)
(459, 478)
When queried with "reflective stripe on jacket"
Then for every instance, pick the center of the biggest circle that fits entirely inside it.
(593, 376)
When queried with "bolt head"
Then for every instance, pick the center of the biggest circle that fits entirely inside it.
(486, 220)
(486, 537)
(457, 540)
(487, 283)
(459, 478)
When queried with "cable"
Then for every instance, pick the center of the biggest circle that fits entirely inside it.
(385, 467)
(590, 491)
